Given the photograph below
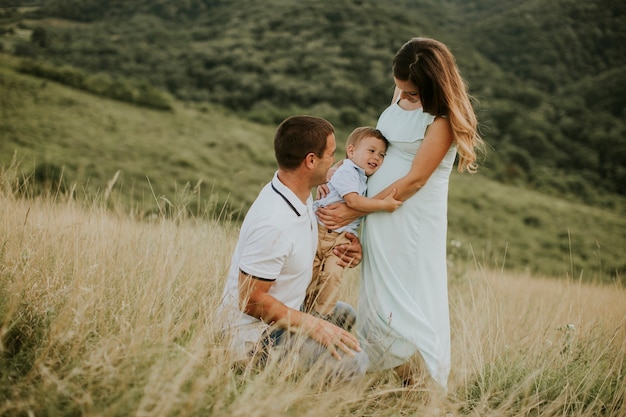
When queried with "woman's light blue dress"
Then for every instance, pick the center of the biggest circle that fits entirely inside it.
(403, 299)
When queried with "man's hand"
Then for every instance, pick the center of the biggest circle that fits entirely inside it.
(337, 215)
(255, 301)
(332, 337)
(350, 255)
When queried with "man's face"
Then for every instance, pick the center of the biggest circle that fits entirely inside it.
(326, 161)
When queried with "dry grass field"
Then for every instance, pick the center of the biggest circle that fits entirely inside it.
(102, 314)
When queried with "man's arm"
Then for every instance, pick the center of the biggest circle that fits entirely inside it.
(255, 300)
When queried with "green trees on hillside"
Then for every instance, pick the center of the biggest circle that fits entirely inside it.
(142, 94)
(549, 79)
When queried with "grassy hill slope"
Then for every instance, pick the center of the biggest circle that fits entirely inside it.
(202, 159)
(54, 129)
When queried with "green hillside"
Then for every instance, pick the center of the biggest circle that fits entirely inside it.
(201, 159)
(549, 78)
(195, 156)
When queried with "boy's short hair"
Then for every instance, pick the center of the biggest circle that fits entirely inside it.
(363, 132)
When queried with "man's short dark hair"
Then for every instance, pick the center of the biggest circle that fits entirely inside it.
(297, 136)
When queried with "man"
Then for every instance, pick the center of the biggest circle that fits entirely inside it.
(273, 260)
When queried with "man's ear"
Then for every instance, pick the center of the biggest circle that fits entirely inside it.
(309, 160)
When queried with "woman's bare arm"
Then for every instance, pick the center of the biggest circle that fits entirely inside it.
(436, 144)
(437, 141)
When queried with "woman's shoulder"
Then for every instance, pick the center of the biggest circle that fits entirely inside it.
(440, 126)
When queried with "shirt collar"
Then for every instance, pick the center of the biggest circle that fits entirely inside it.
(289, 195)
(360, 170)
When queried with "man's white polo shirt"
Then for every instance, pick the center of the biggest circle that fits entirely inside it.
(277, 242)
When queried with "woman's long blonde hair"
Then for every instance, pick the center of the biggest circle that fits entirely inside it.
(430, 65)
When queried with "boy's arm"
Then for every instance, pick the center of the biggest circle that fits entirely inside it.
(370, 205)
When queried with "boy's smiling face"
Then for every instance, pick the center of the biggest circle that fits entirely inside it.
(368, 154)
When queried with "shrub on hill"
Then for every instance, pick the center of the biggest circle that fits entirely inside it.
(142, 94)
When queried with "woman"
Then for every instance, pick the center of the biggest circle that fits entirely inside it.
(403, 300)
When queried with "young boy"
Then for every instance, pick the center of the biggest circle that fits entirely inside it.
(365, 149)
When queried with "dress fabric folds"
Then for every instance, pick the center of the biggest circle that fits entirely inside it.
(403, 299)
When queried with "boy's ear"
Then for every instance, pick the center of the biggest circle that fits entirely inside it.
(350, 151)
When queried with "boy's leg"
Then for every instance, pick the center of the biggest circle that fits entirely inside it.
(330, 275)
(312, 289)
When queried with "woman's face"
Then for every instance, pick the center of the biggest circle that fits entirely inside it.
(408, 90)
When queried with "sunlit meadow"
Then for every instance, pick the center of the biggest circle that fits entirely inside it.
(104, 313)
